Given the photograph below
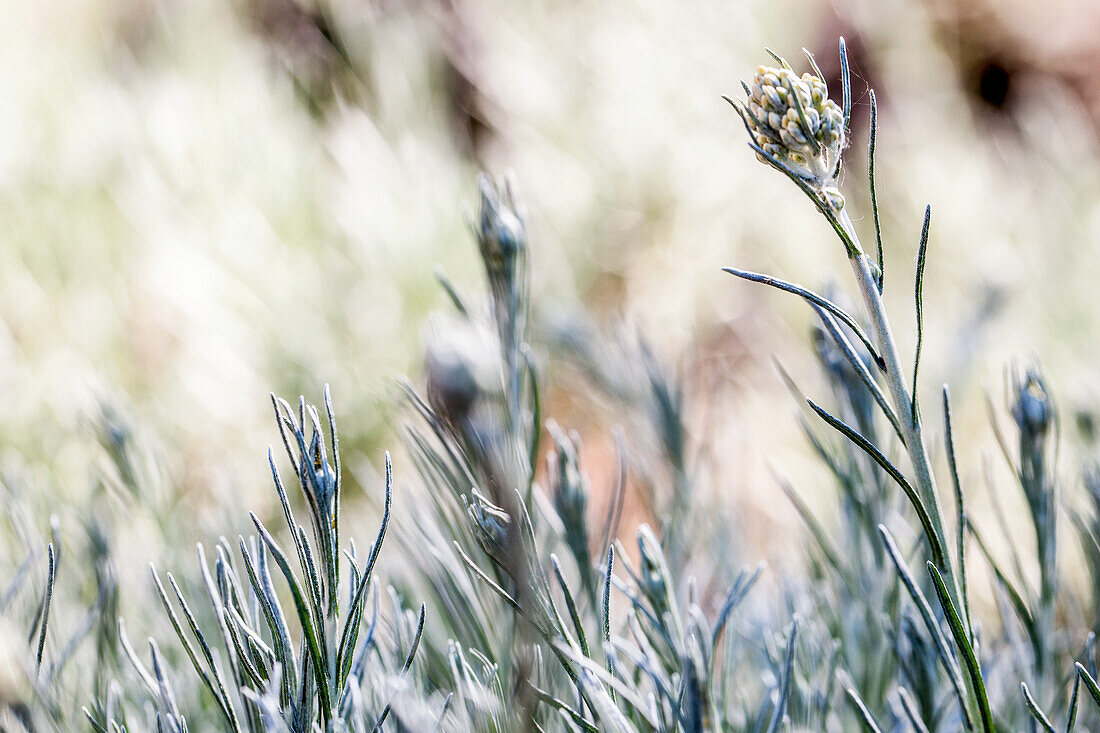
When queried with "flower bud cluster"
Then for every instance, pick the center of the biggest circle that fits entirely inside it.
(793, 120)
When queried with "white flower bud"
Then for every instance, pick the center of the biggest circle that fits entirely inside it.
(793, 120)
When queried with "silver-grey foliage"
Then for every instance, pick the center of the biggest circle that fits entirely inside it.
(513, 604)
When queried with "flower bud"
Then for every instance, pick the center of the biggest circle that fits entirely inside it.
(501, 232)
(324, 477)
(653, 573)
(569, 489)
(568, 485)
(794, 122)
(460, 367)
(1032, 409)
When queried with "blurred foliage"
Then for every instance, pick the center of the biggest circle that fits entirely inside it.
(203, 202)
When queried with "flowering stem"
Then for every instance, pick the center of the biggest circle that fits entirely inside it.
(907, 415)
(903, 405)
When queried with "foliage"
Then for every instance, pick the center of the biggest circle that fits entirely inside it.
(531, 616)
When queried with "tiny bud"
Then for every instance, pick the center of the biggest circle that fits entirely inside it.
(460, 367)
(501, 232)
(1032, 410)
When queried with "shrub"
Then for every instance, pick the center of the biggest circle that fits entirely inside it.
(511, 610)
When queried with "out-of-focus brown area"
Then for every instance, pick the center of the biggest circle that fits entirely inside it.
(1004, 48)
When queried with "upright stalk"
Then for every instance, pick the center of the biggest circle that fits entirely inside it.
(903, 404)
(909, 419)
(795, 128)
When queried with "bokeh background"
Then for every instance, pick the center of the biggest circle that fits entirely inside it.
(202, 201)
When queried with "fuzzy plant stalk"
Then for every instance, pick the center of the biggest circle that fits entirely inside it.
(904, 402)
(1033, 413)
(482, 389)
(502, 239)
(797, 129)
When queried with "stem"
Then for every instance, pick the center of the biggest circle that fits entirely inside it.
(903, 405)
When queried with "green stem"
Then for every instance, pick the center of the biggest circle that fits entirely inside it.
(896, 384)
(903, 404)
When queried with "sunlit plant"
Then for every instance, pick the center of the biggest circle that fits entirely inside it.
(535, 615)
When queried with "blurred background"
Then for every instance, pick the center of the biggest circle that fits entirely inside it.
(203, 201)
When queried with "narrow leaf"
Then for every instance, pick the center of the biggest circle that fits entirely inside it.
(861, 370)
(871, 185)
(405, 667)
(313, 643)
(570, 604)
(47, 601)
(865, 716)
(962, 642)
(1035, 710)
(564, 707)
(793, 95)
(452, 293)
(911, 712)
(845, 86)
(850, 246)
(947, 658)
(893, 472)
(217, 691)
(922, 256)
(1090, 682)
(960, 504)
(811, 297)
(1071, 716)
(607, 612)
(785, 685)
(1019, 605)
